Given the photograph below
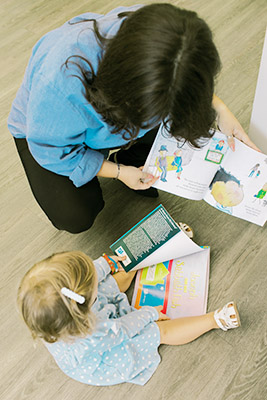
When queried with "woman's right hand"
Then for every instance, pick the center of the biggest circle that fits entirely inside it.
(162, 317)
(135, 178)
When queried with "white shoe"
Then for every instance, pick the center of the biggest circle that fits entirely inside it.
(227, 317)
(186, 229)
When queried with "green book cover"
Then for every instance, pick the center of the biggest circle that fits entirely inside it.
(145, 237)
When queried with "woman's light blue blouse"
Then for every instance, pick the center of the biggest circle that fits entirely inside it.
(123, 346)
(63, 131)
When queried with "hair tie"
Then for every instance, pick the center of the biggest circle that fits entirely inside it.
(72, 295)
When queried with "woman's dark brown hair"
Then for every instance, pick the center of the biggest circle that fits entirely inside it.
(160, 66)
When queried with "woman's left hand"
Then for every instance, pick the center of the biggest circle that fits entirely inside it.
(230, 126)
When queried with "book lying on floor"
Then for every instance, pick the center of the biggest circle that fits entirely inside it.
(233, 182)
(179, 285)
(156, 238)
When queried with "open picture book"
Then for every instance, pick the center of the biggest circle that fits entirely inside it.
(156, 238)
(179, 285)
(234, 182)
(173, 271)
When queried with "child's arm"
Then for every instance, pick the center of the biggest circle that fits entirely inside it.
(124, 279)
(103, 268)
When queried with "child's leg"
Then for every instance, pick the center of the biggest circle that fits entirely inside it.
(184, 330)
(124, 279)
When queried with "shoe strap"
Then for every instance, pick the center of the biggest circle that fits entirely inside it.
(224, 315)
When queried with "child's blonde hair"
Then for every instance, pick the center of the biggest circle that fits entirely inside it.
(47, 312)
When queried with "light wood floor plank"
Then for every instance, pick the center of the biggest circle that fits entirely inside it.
(218, 366)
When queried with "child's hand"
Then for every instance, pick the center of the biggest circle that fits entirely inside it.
(117, 259)
(162, 317)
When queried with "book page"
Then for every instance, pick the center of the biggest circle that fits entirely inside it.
(240, 185)
(182, 169)
(178, 246)
(156, 238)
(179, 285)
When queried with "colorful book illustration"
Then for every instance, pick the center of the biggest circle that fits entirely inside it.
(179, 285)
(156, 238)
(233, 182)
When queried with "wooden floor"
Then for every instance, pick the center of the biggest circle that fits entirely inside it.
(219, 365)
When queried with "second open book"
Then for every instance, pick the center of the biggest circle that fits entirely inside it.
(180, 285)
(233, 182)
(173, 270)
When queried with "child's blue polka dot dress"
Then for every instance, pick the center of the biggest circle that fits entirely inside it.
(124, 345)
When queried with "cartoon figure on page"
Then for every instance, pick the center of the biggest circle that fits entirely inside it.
(261, 194)
(226, 190)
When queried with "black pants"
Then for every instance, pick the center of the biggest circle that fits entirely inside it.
(70, 208)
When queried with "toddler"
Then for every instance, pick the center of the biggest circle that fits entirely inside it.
(79, 311)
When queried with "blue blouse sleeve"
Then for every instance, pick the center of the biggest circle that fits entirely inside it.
(56, 136)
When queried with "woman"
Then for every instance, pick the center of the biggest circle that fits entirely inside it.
(101, 82)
